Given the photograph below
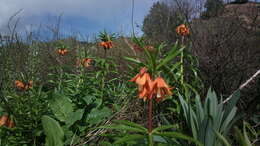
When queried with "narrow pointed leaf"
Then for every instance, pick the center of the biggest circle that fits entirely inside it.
(122, 127)
(239, 137)
(133, 60)
(179, 136)
(161, 128)
(169, 58)
(232, 102)
(246, 138)
(222, 138)
(132, 137)
(131, 124)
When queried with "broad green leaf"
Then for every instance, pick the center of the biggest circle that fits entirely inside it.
(97, 115)
(98, 102)
(88, 99)
(209, 133)
(61, 107)
(53, 131)
(74, 116)
(232, 102)
(193, 122)
(228, 119)
(185, 108)
(199, 110)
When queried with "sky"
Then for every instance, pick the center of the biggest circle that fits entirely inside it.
(87, 17)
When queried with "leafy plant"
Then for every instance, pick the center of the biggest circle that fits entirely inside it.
(213, 119)
(26, 109)
(82, 101)
(248, 133)
(132, 133)
(53, 131)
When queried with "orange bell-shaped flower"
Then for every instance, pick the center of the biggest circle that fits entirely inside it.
(3, 120)
(139, 75)
(106, 44)
(20, 85)
(63, 51)
(28, 85)
(10, 123)
(86, 62)
(144, 82)
(23, 86)
(160, 89)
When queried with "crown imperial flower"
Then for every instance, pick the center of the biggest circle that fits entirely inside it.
(144, 82)
(160, 89)
(62, 52)
(86, 62)
(183, 30)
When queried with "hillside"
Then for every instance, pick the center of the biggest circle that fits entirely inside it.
(247, 12)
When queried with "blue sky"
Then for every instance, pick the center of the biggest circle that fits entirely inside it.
(87, 17)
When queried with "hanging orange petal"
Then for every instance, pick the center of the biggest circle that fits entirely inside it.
(3, 120)
(161, 89)
(86, 62)
(20, 85)
(140, 74)
(30, 84)
(10, 123)
(143, 79)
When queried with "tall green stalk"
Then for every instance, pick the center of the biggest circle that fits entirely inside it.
(182, 61)
(150, 139)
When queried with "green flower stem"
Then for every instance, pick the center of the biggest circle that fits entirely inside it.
(182, 57)
(150, 139)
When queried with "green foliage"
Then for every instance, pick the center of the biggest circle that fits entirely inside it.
(97, 115)
(104, 36)
(53, 131)
(83, 101)
(159, 25)
(211, 120)
(213, 8)
(68, 102)
(129, 133)
(248, 133)
(241, 1)
(61, 107)
(26, 109)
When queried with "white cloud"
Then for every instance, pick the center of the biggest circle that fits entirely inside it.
(101, 11)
